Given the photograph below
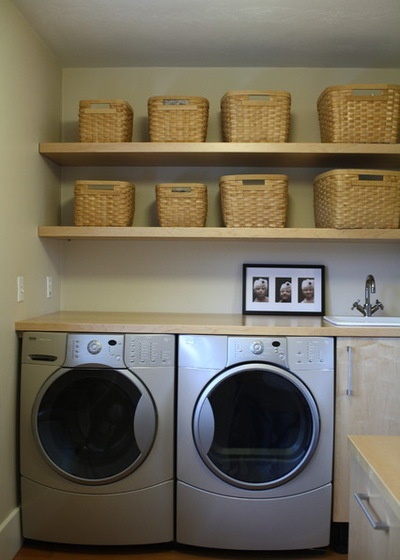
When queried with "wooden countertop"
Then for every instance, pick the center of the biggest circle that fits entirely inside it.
(195, 323)
(380, 457)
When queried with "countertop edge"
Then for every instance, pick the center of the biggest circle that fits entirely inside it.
(195, 323)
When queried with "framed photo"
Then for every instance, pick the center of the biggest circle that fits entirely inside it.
(283, 289)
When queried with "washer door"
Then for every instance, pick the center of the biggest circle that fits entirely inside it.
(94, 425)
(256, 426)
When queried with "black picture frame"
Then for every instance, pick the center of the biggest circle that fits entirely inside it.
(283, 289)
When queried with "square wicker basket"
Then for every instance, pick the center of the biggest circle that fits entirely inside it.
(254, 200)
(360, 113)
(357, 198)
(255, 116)
(181, 204)
(178, 119)
(105, 120)
(104, 203)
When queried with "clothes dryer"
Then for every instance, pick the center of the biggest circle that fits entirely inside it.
(96, 438)
(254, 442)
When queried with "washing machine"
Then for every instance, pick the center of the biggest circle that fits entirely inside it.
(97, 437)
(254, 442)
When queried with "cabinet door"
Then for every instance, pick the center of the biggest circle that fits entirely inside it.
(367, 402)
(368, 541)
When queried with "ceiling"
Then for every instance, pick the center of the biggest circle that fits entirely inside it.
(252, 33)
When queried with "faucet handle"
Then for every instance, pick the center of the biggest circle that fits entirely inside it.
(355, 304)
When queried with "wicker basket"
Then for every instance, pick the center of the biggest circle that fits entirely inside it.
(255, 116)
(105, 120)
(178, 119)
(181, 204)
(104, 203)
(360, 113)
(356, 198)
(254, 200)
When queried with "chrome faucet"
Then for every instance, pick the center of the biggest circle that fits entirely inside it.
(367, 309)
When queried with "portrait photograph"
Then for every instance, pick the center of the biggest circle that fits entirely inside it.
(283, 289)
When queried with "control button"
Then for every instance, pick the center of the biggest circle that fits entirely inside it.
(257, 347)
(94, 346)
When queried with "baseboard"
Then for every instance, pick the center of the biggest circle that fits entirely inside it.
(10, 535)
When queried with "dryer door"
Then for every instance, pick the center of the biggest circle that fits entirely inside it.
(94, 425)
(256, 426)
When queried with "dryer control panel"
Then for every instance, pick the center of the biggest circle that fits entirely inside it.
(265, 349)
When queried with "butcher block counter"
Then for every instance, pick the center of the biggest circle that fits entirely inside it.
(196, 323)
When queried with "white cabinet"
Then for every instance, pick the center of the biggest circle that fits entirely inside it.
(374, 518)
(367, 402)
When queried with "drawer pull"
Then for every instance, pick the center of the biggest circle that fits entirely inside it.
(363, 502)
(349, 390)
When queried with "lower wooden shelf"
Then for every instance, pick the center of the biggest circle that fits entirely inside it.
(222, 233)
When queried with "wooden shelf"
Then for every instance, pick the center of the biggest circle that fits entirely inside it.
(206, 154)
(216, 233)
(219, 154)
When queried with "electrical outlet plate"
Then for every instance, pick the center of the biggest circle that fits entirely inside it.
(20, 289)
(49, 287)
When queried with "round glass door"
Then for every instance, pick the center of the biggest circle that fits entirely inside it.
(256, 426)
(94, 425)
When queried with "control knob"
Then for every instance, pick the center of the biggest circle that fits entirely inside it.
(257, 347)
(94, 346)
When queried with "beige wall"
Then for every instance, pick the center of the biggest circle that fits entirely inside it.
(165, 276)
(206, 276)
(30, 101)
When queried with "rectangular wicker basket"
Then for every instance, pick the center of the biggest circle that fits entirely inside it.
(178, 118)
(254, 200)
(181, 204)
(105, 120)
(104, 203)
(255, 116)
(357, 198)
(360, 113)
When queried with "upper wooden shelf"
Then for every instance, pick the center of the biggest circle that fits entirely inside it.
(219, 233)
(219, 154)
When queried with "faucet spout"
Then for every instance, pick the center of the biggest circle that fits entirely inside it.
(369, 289)
(367, 310)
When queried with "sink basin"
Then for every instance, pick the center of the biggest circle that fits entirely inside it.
(360, 321)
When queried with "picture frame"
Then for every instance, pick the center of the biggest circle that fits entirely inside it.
(283, 289)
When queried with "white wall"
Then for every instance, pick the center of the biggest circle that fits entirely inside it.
(30, 101)
(206, 276)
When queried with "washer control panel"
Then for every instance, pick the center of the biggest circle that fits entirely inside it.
(152, 350)
(101, 349)
(266, 349)
(120, 351)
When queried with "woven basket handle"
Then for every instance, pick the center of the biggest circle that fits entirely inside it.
(177, 105)
(254, 184)
(366, 179)
(100, 187)
(371, 93)
(180, 192)
(259, 99)
(100, 107)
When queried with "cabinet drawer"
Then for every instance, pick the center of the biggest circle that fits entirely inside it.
(374, 527)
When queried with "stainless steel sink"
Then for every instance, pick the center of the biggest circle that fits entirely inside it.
(360, 321)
